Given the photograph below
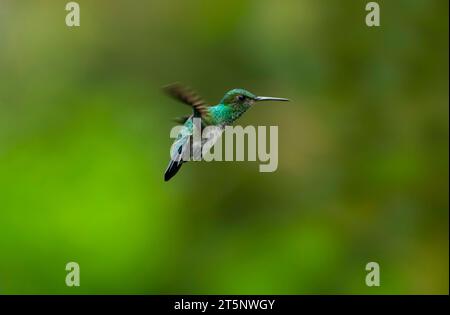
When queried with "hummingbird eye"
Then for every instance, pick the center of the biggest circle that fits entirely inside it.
(241, 98)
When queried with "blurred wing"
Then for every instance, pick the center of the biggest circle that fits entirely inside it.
(188, 97)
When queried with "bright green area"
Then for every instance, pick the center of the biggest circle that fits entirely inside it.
(363, 148)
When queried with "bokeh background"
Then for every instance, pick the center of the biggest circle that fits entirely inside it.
(363, 148)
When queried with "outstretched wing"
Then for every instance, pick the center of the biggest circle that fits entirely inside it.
(188, 97)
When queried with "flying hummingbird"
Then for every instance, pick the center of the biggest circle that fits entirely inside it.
(233, 104)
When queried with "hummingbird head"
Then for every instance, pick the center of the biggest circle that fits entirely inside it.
(240, 98)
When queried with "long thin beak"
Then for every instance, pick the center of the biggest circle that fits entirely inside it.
(268, 98)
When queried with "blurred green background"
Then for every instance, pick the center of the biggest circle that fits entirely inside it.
(363, 148)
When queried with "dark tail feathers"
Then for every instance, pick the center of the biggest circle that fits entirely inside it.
(172, 169)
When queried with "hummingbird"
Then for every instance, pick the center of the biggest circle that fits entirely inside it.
(233, 104)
